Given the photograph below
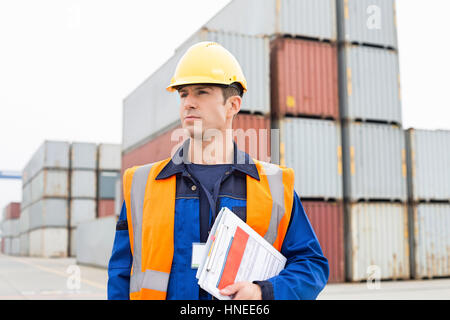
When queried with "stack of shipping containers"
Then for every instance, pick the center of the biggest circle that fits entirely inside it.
(10, 242)
(45, 197)
(83, 187)
(305, 108)
(64, 186)
(428, 154)
(374, 155)
(95, 237)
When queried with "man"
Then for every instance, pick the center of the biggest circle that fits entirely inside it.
(171, 204)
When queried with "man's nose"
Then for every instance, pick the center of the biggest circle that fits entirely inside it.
(189, 102)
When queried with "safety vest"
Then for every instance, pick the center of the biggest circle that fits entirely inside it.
(150, 205)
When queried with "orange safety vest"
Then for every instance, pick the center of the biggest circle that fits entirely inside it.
(150, 207)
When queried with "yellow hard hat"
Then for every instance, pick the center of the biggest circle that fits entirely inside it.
(207, 62)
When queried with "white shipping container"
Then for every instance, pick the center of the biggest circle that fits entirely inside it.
(308, 18)
(26, 196)
(430, 240)
(377, 243)
(368, 22)
(82, 210)
(7, 228)
(50, 183)
(50, 155)
(428, 158)
(15, 227)
(7, 245)
(83, 155)
(24, 220)
(15, 246)
(49, 213)
(94, 241)
(369, 84)
(109, 156)
(83, 184)
(48, 242)
(374, 160)
(313, 149)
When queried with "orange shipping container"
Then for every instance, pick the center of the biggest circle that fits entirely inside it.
(304, 78)
(327, 220)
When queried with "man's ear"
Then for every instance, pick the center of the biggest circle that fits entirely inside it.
(235, 103)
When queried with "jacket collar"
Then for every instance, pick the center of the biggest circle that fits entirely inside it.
(177, 164)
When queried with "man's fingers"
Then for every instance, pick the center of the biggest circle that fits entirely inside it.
(231, 289)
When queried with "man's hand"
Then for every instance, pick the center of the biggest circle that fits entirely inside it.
(243, 290)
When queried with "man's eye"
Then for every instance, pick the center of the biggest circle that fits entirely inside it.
(202, 91)
(183, 95)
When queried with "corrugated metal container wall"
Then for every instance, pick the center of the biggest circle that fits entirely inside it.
(304, 78)
(109, 156)
(24, 240)
(369, 84)
(430, 240)
(82, 210)
(49, 213)
(327, 220)
(368, 22)
(94, 241)
(313, 149)
(48, 242)
(26, 195)
(50, 183)
(11, 211)
(308, 18)
(150, 110)
(105, 208)
(83, 184)
(50, 155)
(24, 220)
(83, 155)
(377, 241)
(253, 54)
(428, 157)
(374, 161)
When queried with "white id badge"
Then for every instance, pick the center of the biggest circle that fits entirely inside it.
(198, 250)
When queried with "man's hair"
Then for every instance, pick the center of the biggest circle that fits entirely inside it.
(234, 89)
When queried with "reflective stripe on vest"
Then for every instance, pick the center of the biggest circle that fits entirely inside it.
(269, 206)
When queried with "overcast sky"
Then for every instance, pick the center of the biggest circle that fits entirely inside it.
(66, 65)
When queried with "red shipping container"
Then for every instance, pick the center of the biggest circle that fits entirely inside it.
(327, 220)
(105, 208)
(12, 211)
(304, 78)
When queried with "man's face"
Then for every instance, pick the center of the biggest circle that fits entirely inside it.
(204, 103)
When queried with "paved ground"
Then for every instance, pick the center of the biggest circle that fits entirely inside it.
(59, 278)
(37, 278)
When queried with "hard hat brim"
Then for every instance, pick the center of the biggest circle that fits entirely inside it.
(200, 80)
